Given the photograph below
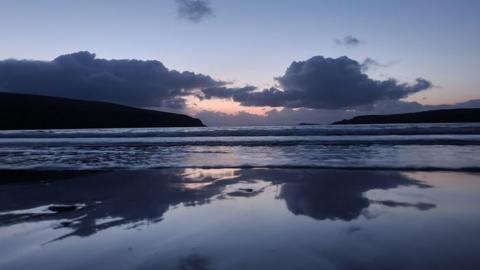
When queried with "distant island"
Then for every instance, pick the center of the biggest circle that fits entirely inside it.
(434, 116)
(22, 111)
(308, 124)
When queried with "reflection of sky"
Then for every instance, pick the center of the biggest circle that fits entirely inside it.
(302, 219)
(253, 41)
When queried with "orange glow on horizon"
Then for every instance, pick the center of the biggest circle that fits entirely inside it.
(226, 106)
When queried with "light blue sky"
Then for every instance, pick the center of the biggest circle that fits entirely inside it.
(251, 41)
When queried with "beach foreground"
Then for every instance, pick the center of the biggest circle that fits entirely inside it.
(239, 219)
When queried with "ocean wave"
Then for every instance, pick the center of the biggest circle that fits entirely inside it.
(321, 130)
(399, 147)
(473, 169)
(248, 141)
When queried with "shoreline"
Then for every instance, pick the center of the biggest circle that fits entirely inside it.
(276, 167)
(33, 175)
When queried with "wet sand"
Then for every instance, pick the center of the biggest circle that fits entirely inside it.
(239, 219)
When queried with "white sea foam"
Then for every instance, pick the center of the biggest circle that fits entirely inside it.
(428, 146)
(316, 130)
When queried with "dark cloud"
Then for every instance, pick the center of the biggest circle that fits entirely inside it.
(323, 83)
(81, 75)
(193, 10)
(348, 41)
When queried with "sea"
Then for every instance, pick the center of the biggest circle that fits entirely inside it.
(334, 197)
(387, 146)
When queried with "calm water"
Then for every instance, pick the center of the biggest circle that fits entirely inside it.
(239, 219)
(407, 146)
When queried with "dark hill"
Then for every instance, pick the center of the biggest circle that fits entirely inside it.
(21, 111)
(436, 116)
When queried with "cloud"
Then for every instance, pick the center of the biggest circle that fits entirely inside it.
(323, 83)
(348, 41)
(81, 75)
(318, 90)
(194, 10)
(226, 92)
(284, 116)
(372, 64)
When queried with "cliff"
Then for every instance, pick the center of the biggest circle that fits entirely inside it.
(21, 111)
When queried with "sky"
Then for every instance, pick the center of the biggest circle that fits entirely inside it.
(246, 62)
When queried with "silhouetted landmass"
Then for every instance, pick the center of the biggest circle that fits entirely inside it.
(308, 124)
(21, 111)
(435, 116)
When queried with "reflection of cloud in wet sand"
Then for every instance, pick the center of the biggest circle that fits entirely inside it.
(135, 198)
(340, 194)
(111, 199)
(420, 206)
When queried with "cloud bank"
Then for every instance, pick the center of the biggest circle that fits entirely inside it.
(319, 90)
(322, 83)
(194, 10)
(83, 76)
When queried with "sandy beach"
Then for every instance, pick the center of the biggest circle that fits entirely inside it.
(239, 219)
